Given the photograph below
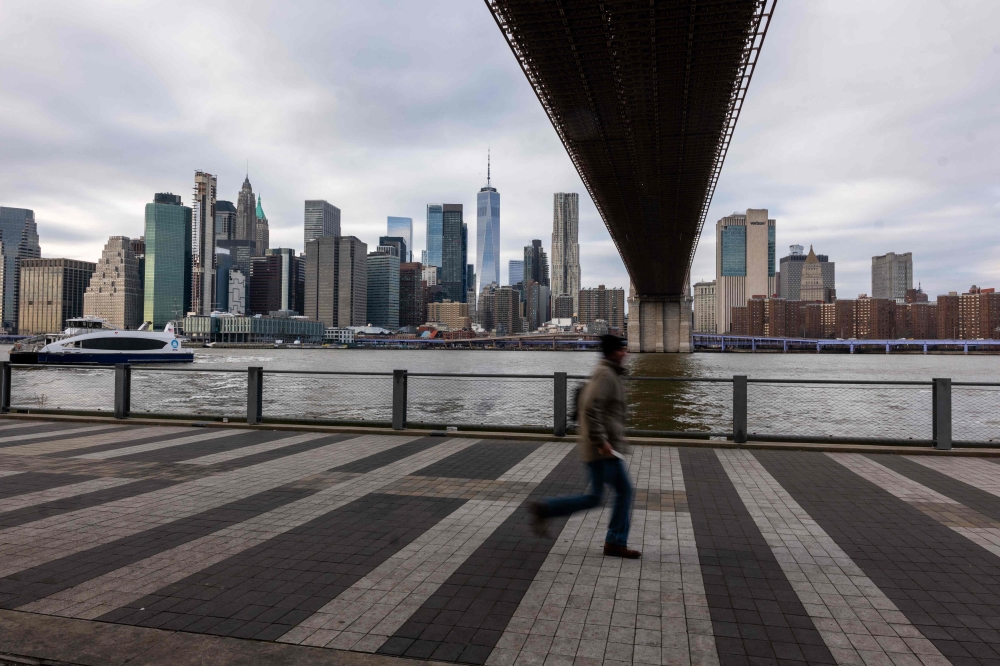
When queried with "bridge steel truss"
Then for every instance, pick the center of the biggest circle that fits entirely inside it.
(645, 95)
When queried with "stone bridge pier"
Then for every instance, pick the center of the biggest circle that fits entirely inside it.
(659, 324)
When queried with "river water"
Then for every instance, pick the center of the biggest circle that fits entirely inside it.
(857, 411)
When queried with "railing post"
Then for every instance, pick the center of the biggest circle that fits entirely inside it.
(4, 387)
(255, 394)
(941, 397)
(740, 409)
(123, 390)
(399, 386)
(559, 404)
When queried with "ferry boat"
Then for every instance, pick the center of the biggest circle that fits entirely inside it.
(88, 340)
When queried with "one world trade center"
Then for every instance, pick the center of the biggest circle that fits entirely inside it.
(488, 233)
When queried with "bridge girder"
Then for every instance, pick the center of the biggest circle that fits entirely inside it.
(644, 95)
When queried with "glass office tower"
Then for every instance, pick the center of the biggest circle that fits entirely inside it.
(488, 233)
(435, 220)
(168, 260)
(20, 241)
(401, 227)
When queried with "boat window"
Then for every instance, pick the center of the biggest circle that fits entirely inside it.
(123, 343)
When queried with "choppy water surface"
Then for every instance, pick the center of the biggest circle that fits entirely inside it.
(866, 411)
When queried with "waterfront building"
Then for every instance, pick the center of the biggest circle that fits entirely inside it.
(397, 242)
(336, 281)
(453, 315)
(915, 295)
(562, 307)
(246, 216)
(485, 307)
(537, 305)
(565, 279)
(515, 271)
(892, 275)
(51, 292)
(274, 282)
(979, 314)
(947, 316)
(412, 308)
(401, 227)
(536, 264)
(602, 303)
(435, 225)
(923, 320)
(874, 318)
(704, 307)
(488, 232)
(788, 278)
(18, 240)
(321, 219)
(223, 264)
(844, 319)
(225, 220)
(238, 329)
(813, 280)
(338, 336)
(115, 290)
(454, 252)
(203, 211)
(167, 284)
(261, 234)
(237, 292)
(739, 318)
(744, 262)
(383, 287)
(507, 315)
(828, 315)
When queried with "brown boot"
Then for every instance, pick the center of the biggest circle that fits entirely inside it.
(611, 550)
(539, 521)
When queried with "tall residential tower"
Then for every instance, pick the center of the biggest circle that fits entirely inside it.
(566, 247)
(203, 244)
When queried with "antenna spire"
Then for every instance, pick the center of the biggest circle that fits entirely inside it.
(487, 167)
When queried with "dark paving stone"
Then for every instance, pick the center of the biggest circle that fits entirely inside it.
(972, 497)
(30, 482)
(197, 449)
(56, 432)
(484, 460)
(268, 456)
(485, 590)
(98, 448)
(55, 507)
(57, 575)
(937, 578)
(270, 588)
(383, 458)
(749, 597)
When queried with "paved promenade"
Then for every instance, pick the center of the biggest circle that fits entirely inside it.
(421, 547)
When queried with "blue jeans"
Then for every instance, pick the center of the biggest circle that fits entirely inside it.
(609, 471)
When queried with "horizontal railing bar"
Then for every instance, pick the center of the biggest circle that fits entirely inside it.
(147, 368)
(327, 372)
(675, 434)
(975, 384)
(719, 380)
(971, 444)
(468, 427)
(479, 375)
(823, 439)
(331, 422)
(862, 382)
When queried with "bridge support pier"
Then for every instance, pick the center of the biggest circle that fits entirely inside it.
(659, 325)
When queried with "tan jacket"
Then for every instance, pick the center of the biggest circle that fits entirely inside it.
(602, 411)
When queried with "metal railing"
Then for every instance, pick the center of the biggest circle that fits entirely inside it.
(938, 413)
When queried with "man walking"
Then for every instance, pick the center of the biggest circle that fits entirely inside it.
(601, 438)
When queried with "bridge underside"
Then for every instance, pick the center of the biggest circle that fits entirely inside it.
(644, 95)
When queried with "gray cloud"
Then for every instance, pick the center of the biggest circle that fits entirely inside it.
(869, 128)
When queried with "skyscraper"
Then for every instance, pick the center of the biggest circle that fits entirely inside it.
(515, 271)
(536, 263)
(321, 219)
(225, 220)
(261, 234)
(383, 287)
(168, 260)
(246, 215)
(412, 309)
(892, 275)
(115, 290)
(18, 240)
(454, 250)
(203, 243)
(813, 284)
(744, 262)
(704, 307)
(52, 291)
(401, 227)
(789, 275)
(488, 232)
(435, 221)
(336, 281)
(566, 246)
(398, 242)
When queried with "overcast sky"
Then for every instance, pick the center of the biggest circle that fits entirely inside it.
(870, 126)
